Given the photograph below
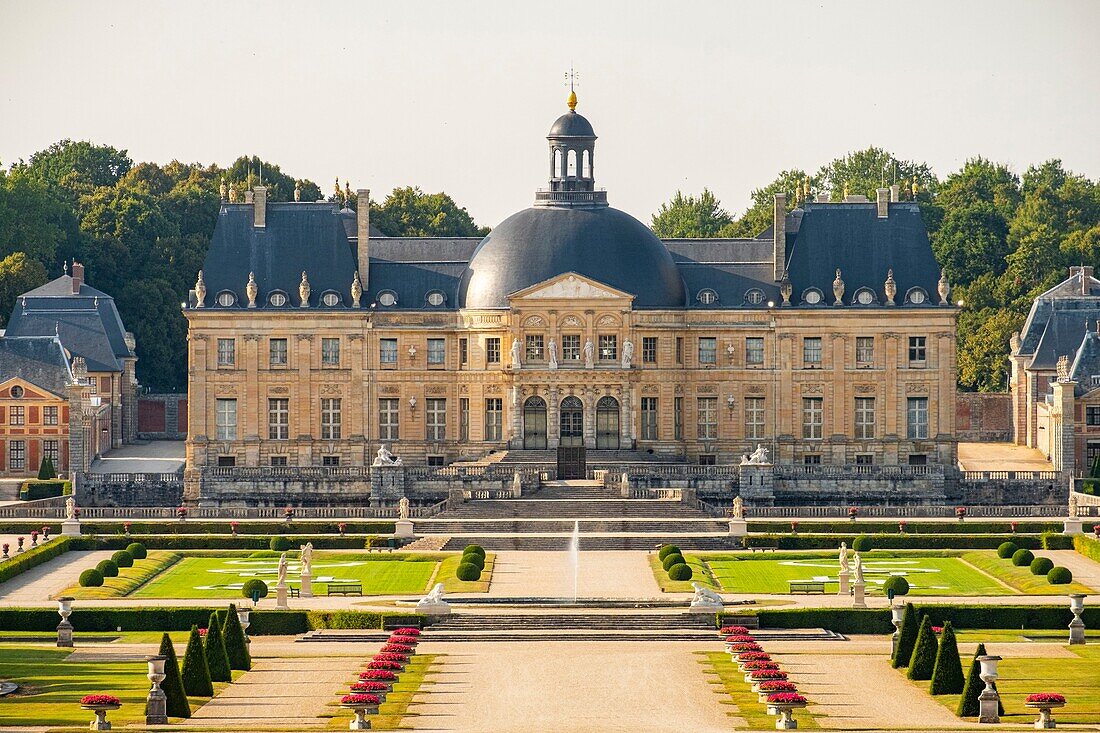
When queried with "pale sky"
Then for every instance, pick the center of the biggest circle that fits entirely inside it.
(458, 96)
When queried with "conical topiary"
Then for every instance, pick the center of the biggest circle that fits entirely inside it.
(216, 657)
(923, 661)
(177, 705)
(907, 637)
(968, 703)
(196, 673)
(236, 646)
(947, 677)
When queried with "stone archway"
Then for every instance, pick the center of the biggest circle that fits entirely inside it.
(571, 422)
(607, 424)
(534, 423)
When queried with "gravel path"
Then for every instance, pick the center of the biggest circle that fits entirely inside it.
(550, 574)
(1085, 571)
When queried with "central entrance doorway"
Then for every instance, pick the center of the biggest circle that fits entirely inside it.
(607, 424)
(571, 434)
(534, 423)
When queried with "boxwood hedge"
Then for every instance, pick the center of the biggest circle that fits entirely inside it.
(203, 527)
(893, 541)
(1087, 546)
(227, 542)
(32, 557)
(847, 527)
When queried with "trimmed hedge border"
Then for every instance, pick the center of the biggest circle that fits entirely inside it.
(862, 526)
(33, 489)
(1087, 546)
(203, 527)
(894, 541)
(227, 542)
(34, 556)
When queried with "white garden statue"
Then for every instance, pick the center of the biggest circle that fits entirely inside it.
(705, 598)
(282, 570)
(433, 603)
(738, 508)
(628, 354)
(307, 558)
(403, 508)
(70, 508)
(384, 458)
(844, 557)
(758, 457)
(859, 569)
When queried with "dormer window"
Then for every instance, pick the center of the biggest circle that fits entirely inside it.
(277, 299)
(864, 296)
(330, 298)
(754, 296)
(227, 299)
(387, 298)
(812, 296)
(707, 296)
(436, 298)
(916, 296)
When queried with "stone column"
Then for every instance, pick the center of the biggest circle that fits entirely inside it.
(306, 588)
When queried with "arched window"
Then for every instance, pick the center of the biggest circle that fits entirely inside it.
(586, 168)
(572, 163)
(387, 298)
(707, 296)
(330, 298)
(812, 296)
(864, 296)
(557, 164)
(916, 296)
(754, 296)
(227, 298)
(277, 299)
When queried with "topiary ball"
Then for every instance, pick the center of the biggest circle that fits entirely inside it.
(862, 543)
(123, 559)
(1041, 566)
(108, 568)
(1022, 558)
(896, 583)
(474, 550)
(473, 559)
(667, 550)
(673, 559)
(254, 584)
(279, 544)
(137, 550)
(1007, 550)
(91, 578)
(468, 571)
(680, 571)
(1059, 576)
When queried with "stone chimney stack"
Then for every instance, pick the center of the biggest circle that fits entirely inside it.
(895, 193)
(779, 234)
(882, 198)
(1086, 279)
(259, 207)
(362, 221)
(78, 277)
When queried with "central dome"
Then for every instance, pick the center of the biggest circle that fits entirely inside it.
(540, 243)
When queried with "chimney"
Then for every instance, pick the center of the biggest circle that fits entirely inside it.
(78, 277)
(362, 220)
(259, 207)
(1086, 279)
(895, 193)
(882, 198)
(779, 234)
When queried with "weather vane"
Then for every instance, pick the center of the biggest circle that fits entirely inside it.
(572, 77)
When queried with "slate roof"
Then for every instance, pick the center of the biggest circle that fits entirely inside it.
(40, 361)
(1086, 363)
(88, 323)
(1063, 310)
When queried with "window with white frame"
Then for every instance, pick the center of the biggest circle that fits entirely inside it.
(17, 415)
(49, 415)
(51, 450)
(708, 418)
(227, 352)
(437, 351)
(918, 350)
(917, 418)
(225, 418)
(754, 417)
(811, 351)
(535, 348)
(492, 350)
(754, 351)
(494, 418)
(330, 352)
(387, 351)
(277, 352)
(708, 350)
(649, 349)
(813, 417)
(865, 418)
(571, 347)
(436, 414)
(17, 455)
(278, 418)
(388, 418)
(865, 350)
(331, 418)
(609, 347)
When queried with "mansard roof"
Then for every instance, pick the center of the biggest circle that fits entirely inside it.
(1058, 318)
(39, 360)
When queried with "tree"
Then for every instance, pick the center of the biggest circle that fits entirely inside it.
(862, 171)
(907, 636)
(177, 705)
(32, 219)
(196, 672)
(216, 657)
(923, 661)
(18, 274)
(409, 212)
(245, 173)
(761, 213)
(46, 471)
(236, 645)
(983, 338)
(947, 676)
(690, 217)
(79, 167)
(968, 704)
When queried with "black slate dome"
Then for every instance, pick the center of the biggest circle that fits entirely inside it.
(572, 124)
(602, 243)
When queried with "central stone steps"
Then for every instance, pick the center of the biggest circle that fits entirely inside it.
(549, 526)
(606, 542)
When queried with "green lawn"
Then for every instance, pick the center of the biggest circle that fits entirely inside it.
(1021, 578)
(128, 579)
(725, 678)
(391, 712)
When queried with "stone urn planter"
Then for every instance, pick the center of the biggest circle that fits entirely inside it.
(1044, 702)
(378, 689)
(783, 705)
(100, 704)
(362, 706)
(767, 689)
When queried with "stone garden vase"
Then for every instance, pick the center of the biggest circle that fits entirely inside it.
(763, 696)
(785, 711)
(1046, 720)
(100, 722)
(360, 721)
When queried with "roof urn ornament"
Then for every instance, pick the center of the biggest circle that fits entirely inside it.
(337, 195)
(233, 195)
(915, 188)
(1014, 342)
(297, 191)
(838, 289)
(304, 290)
(891, 287)
(252, 290)
(944, 288)
(1062, 367)
(356, 290)
(200, 291)
(223, 190)
(347, 195)
(785, 289)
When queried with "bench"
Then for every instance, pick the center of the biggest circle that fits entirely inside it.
(764, 545)
(807, 586)
(294, 592)
(344, 589)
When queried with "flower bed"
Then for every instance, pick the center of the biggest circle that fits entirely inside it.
(408, 631)
(1046, 697)
(755, 666)
(740, 639)
(378, 675)
(768, 674)
(391, 657)
(379, 664)
(406, 640)
(778, 686)
(754, 657)
(396, 649)
(360, 699)
(786, 698)
(726, 630)
(745, 647)
(369, 686)
(91, 700)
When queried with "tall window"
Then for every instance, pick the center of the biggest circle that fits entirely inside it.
(49, 415)
(609, 347)
(865, 350)
(463, 352)
(917, 413)
(494, 418)
(865, 418)
(708, 418)
(1092, 417)
(437, 351)
(535, 349)
(649, 418)
(811, 351)
(278, 418)
(227, 352)
(463, 418)
(387, 351)
(330, 418)
(754, 351)
(17, 455)
(571, 347)
(492, 350)
(277, 352)
(17, 415)
(813, 417)
(678, 418)
(649, 349)
(225, 419)
(679, 349)
(330, 352)
(437, 418)
(708, 350)
(918, 350)
(51, 449)
(754, 417)
(388, 418)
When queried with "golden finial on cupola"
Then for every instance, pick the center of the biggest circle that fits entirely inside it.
(572, 101)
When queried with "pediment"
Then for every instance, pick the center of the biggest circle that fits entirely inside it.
(31, 391)
(570, 286)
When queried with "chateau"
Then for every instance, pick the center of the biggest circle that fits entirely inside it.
(829, 338)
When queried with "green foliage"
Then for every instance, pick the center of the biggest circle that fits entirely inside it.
(206, 542)
(279, 544)
(879, 527)
(680, 571)
(409, 212)
(137, 550)
(1086, 546)
(895, 541)
(472, 558)
(673, 559)
(91, 578)
(468, 571)
(1041, 565)
(108, 568)
(46, 470)
(35, 489)
(896, 583)
(907, 637)
(1006, 550)
(251, 586)
(923, 661)
(691, 217)
(947, 677)
(862, 544)
(217, 661)
(1059, 576)
(123, 559)
(1022, 558)
(32, 557)
(761, 212)
(236, 646)
(474, 550)
(667, 550)
(968, 703)
(1056, 541)
(196, 673)
(177, 705)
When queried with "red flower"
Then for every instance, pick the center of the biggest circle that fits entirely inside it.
(202, 632)
(100, 700)
(409, 640)
(391, 657)
(181, 512)
(397, 649)
(960, 511)
(740, 638)
(377, 674)
(34, 533)
(342, 527)
(367, 686)
(733, 630)
(794, 526)
(902, 525)
(407, 632)
(394, 666)
(737, 648)
(852, 512)
(754, 657)
(46, 531)
(778, 686)
(786, 698)
(1095, 530)
(754, 666)
(937, 629)
(768, 674)
(364, 700)
(1047, 697)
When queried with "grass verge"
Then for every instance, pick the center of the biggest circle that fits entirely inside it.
(700, 573)
(1020, 578)
(397, 702)
(726, 679)
(452, 584)
(129, 579)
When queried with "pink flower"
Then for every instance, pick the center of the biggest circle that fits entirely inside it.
(794, 526)
(397, 649)
(367, 686)
(202, 632)
(391, 657)
(778, 686)
(937, 629)
(357, 699)
(409, 631)
(34, 533)
(768, 674)
(902, 525)
(753, 647)
(754, 657)
(99, 700)
(786, 698)
(377, 674)
(740, 639)
(342, 527)
(397, 639)
(1053, 697)
(754, 666)
(725, 630)
(392, 666)
(852, 512)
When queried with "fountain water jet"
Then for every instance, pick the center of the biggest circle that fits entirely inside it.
(574, 555)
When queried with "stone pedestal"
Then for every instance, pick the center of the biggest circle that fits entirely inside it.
(738, 528)
(280, 598)
(70, 528)
(442, 608)
(989, 706)
(306, 590)
(156, 708)
(1077, 625)
(403, 529)
(844, 590)
(857, 596)
(387, 485)
(1071, 525)
(756, 484)
(65, 633)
